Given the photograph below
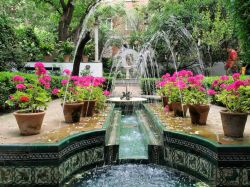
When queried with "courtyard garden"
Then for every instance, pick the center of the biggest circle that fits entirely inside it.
(153, 93)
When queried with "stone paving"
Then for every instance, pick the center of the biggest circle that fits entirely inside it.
(53, 129)
(212, 130)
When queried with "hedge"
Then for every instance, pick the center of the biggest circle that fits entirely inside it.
(7, 87)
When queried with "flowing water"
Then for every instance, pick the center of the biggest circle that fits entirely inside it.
(132, 175)
(132, 145)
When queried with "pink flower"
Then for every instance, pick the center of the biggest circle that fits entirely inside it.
(63, 82)
(202, 89)
(235, 85)
(180, 84)
(239, 83)
(166, 108)
(39, 65)
(161, 83)
(55, 91)
(215, 83)
(47, 86)
(74, 78)
(224, 78)
(67, 71)
(18, 78)
(165, 76)
(223, 86)
(211, 92)
(47, 78)
(106, 93)
(11, 97)
(20, 86)
(236, 76)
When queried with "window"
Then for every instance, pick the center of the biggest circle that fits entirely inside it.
(109, 23)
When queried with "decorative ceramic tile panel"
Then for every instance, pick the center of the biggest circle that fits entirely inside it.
(49, 175)
(228, 176)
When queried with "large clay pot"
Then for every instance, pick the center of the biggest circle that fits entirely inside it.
(88, 108)
(72, 112)
(165, 102)
(199, 114)
(179, 109)
(29, 123)
(233, 123)
(66, 58)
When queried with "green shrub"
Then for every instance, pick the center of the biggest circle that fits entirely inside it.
(7, 87)
(29, 43)
(148, 86)
(242, 14)
(10, 51)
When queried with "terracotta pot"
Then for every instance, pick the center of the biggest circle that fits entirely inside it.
(165, 102)
(85, 59)
(199, 114)
(48, 58)
(115, 50)
(72, 112)
(179, 109)
(233, 123)
(88, 108)
(66, 58)
(29, 123)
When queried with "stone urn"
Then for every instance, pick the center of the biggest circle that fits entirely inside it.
(180, 110)
(165, 103)
(88, 108)
(199, 113)
(72, 112)
(233, 123)
(29, 123)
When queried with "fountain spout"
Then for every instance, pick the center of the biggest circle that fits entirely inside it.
(126, 95)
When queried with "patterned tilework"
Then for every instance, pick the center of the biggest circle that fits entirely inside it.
(178, 158)
(50, 174)
(196, 164)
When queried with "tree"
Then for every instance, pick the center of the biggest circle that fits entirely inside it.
(71, 15)
(241, 10)
(10, 50)
(209, 23)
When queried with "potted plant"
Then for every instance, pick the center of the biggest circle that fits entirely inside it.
(32, 100)
(176, 96)
(88, 52)
(236, 98)
(47, 49)
(93, 96)
(178, 85)
(68, 48)
(72, 97)
(165, 90)
(196, 98)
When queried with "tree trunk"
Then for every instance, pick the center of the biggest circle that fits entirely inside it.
(79, 52)
(65, 20)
